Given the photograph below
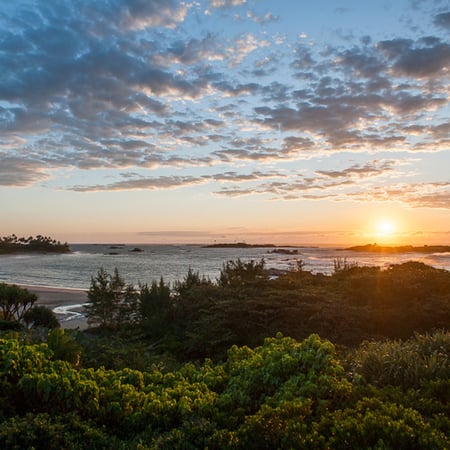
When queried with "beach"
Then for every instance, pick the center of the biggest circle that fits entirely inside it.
(65, 303)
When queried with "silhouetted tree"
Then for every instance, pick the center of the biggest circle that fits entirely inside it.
(12, 244)
(111, 301)
(155, 307)
(41, 316)
(15, 301)
(239, 274)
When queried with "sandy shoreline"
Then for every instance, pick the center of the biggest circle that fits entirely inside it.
(65, 303)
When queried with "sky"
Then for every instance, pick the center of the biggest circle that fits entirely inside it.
(279, 121)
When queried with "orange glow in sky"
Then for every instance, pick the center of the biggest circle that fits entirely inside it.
(172, 121)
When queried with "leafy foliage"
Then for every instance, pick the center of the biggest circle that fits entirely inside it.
(282, 394)
(121, 386)
(407, 364)
(64, 347)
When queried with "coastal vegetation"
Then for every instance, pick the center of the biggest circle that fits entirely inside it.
(17, 307)
(237, 363)
(15, 302)
(198, 317)
(14, 244)
(281, 394)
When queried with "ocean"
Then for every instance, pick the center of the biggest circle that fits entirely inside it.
(172, 262)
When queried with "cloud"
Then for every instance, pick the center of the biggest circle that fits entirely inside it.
(268, 17)
(156, 93)
(123, 15)
(139, 14)
(439, 200)
(177, 234)
(235, 177)
(350, 89)
(334, 185)
(425, 58)
(226, 3)
(443, 20)
(16, 172)
(414, 195)
(193, 51)
(134, 181)
(147, 183)
(369, 169)
(245, 44)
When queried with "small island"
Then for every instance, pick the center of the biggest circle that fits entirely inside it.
(375, 248)
(284, 251)
(45, 244)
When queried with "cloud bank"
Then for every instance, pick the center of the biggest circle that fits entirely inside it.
(153, 95)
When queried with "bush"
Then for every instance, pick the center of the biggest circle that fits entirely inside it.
(64, 347)
(10, 325)
(41, 316)
(404, 363)
(380, 425)
(53, 432)
(281, 394)
(237, 274)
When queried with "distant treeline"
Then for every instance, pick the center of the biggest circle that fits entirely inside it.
(15, 244)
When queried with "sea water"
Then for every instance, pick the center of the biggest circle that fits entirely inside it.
(145, 263)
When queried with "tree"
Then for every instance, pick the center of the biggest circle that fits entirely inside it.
(41, 316)
(15, 301)
(155, 307)
(192, 279)
(238, 274)
(111, 301)
(13, 244)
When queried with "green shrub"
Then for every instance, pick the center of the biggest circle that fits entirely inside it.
(64, 347)
(407, 363)
(53, 432)
(282, 394)
(373, 424)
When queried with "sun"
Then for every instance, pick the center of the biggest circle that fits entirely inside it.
(385, 227)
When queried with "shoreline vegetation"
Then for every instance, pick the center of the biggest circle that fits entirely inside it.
(355, 359)
(375, 248)
(40, 244)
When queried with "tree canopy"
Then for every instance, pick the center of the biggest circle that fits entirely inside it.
(15, 301)
(15, 244)
(112, 302)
